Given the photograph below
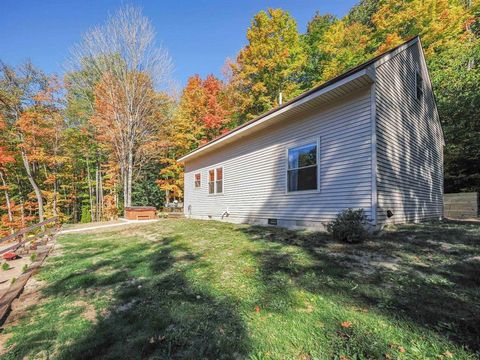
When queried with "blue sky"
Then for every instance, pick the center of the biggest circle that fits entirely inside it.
(199, 35)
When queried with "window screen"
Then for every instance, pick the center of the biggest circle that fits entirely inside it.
(211, 182)
(215, 181)
(302, 173)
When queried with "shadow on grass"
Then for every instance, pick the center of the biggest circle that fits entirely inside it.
(430, 275)
(155, 312)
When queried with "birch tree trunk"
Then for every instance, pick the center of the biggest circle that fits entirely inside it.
(100, 184)
(35, 187)
(129, 177)
(7, 200)
(55, 193)
(97, 194)
(90, 192)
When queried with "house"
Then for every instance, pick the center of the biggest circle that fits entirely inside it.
(370, 138)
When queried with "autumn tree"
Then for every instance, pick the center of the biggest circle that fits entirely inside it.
(312, 42)
(19, 89)
(125, 67)
(5, 159)
(202, 114)
(270, 64)
(363, 12)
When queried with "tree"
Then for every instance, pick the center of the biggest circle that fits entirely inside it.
(18, 99)
(124, 67)
(440, 23)
(270, 64)
(452, 48)
(202, 114)
(5, 159)
(312, 41)
(363, 12)
(345, 46)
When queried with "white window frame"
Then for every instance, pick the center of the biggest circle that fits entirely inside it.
(195, 181)
(215, 181)
(297, 145)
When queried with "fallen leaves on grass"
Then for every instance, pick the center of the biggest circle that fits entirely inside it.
(257, 309)
(346, 324)
(400, 348)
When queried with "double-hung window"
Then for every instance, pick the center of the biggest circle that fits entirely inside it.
(215, 181)
(302, 169)
(198, 180)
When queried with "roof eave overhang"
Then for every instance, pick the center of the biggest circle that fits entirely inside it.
(362, 76)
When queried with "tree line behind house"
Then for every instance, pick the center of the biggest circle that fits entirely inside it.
(107, 134)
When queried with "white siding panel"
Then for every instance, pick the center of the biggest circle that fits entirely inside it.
(255, 168)
(409, 142)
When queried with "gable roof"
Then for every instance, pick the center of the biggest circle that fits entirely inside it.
(336, 80)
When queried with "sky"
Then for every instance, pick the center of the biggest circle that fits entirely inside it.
(199, 35)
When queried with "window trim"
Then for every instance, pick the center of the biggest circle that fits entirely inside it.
(215, 193)
(195, 180)
(298, 144)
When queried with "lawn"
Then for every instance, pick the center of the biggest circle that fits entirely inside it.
(193, 289)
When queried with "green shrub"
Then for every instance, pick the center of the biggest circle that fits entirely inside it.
(162, 215)
(349, 226)
(86, 215)
(5, 266)
(33, 257)
(24, 268)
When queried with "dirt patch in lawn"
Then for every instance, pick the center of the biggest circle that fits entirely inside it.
(89, 311)
(31, 296)
(366, 262)
(16, 268)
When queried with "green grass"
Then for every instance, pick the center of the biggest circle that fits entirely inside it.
(192, 289)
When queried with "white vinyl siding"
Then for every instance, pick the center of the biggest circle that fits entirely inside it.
(256, 170)
(409, 141)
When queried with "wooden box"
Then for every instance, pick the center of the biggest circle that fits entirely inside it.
(140, 213)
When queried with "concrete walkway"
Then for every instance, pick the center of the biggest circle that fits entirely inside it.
(122, 223)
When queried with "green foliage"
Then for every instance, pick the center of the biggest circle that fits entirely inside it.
(145, 190)
(311, 41)
(456, 79)
(269, 64)
(86, 214)
(349, 226)
(362, 12)
(33, 257)
(24, 268)
(5, 266)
